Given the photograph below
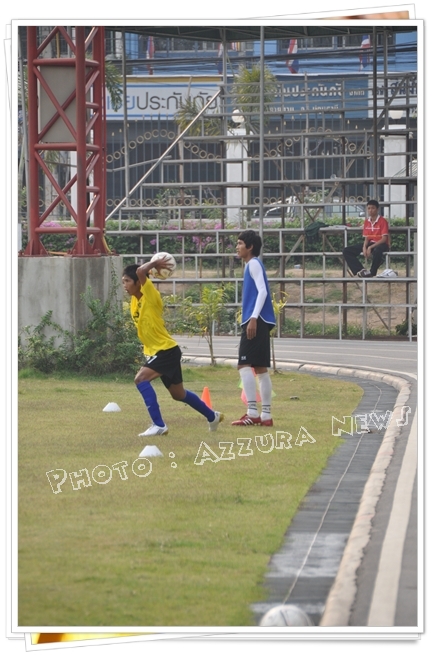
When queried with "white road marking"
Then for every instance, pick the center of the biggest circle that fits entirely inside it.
(383, 605)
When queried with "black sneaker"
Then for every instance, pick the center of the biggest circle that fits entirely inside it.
(364, 273)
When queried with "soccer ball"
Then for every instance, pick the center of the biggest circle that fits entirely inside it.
(164, 273)
(285, 615)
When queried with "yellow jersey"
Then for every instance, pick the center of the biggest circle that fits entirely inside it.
(147, 316)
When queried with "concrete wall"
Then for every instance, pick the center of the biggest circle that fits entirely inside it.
(56, 283)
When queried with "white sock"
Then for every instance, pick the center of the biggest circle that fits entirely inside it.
(266, 395)
(250, 390)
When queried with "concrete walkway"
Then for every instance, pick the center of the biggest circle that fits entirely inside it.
(349, 558)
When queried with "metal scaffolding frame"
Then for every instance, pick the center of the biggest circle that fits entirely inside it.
(79, 117)
(283, 163)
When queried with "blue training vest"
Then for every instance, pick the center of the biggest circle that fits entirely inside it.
(250, 294)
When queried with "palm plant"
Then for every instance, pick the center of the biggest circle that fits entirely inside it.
(246, 93)
(188, 110)
(113, 82)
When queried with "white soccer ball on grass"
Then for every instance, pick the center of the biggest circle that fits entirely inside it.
(283, 616)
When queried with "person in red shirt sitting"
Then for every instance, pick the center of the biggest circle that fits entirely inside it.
(376, 243)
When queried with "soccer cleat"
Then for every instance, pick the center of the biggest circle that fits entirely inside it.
(248, 420)
(364, 273)
(268, 422)
(154, 430)
(213, 425)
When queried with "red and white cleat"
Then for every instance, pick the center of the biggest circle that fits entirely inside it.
(248, 420)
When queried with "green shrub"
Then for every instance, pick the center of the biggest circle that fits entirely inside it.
(108, 344)
(36, 350)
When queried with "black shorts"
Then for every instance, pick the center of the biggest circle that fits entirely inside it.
(167, 363)
(256, 351)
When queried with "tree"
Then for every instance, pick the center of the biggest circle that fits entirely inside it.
(188, 110)
(246, 90)
(207, 126)
(246, 94)
(206, 315)
(113, 82)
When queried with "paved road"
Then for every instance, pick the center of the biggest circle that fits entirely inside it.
(370, 555)
(390, 356)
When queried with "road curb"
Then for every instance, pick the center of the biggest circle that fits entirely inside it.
(343, 591)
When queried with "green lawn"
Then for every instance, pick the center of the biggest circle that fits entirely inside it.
(182, 546)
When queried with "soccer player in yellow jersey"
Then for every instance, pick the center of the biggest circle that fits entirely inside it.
(162, 354)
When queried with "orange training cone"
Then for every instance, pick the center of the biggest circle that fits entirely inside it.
(206, 397)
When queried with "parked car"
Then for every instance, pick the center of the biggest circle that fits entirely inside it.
(276, 211)
(351, 211)
(291, 209)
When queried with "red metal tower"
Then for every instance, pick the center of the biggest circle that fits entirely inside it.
(72, 90)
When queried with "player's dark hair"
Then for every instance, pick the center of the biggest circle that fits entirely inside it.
(373, 202)
(130, 271)
(251, 238)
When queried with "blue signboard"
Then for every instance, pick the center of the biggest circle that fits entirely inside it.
(296, 95)
(316, 94)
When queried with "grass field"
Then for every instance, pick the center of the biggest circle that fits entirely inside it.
(185, 545)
